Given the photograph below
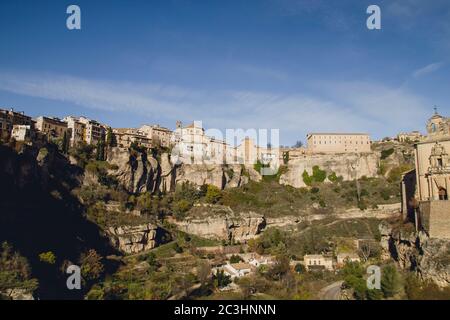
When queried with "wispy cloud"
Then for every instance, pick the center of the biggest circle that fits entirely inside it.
(367, 107)
(428, 69)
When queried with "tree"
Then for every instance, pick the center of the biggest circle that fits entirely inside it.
(280, 267)
(298, 144)
(299, 268)
(109, 138)
(221, 279)
(213, 194)
(91, 265)
(390, 281)
(65, 143)
(100, 150)
(203, 272)
(235, 258)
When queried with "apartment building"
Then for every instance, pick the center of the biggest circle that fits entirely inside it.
(159, 135)
(22, 132)
(338, 142)
(77, 129)
(9, 118)
(52, 127)
(93, 130)
(125, 137)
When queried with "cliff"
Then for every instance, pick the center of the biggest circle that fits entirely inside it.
(415, 251)
(134, 239)
(221, 223)
(138, 172)
(350, 166)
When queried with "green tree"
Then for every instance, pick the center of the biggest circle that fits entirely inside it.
(235, 258)
(65, 143)
(213, 194)
(47, 257)
(390, 281)
(221, 279)
(109, 138)
(91, 265)
(100, 150)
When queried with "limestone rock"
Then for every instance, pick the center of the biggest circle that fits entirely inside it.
(221, 223)
(349, 166)
(415, 251)
(134, 239)
(137, 172)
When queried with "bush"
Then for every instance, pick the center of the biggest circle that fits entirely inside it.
(181, 207)
(390, 281)
(213, 194)
(386, 153)
(299, 268)
(91, 265)
(47, 257)
(235, 259)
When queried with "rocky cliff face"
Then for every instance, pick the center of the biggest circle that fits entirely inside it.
(221, 223)
(138, 172)
(221, 176)
(134, 239)
(415, 251)
(349, 166)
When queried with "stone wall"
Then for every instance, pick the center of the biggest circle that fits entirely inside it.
(434, 218)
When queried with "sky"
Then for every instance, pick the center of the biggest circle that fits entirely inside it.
(295, 65)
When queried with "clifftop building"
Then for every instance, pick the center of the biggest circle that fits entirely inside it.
(159, 135)
(9, 118)
(338, 142)
(51, 127)
(425, 190)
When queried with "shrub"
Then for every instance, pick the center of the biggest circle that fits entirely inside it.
(91, 265)
(181, 207)
(386, 153)
(390, 281)
(235, 259)
(47, 257)
(213, 194)
(306, 178)
(319, 175)
(221, 279)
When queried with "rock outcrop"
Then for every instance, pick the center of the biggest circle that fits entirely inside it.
(221, 176)
(221, 223)
(134, 239)
(350, 166)
(136, 171)
(415, 251)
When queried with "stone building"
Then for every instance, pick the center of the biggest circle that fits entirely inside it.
(22, 132)
(249, 153)
(413, 136)
(317, 262)
(192, 145)
(125, 137)
(9, 118)
(93, 130)
(338, 142)
(77, 130)
(52, 127)
(159, 135)
(427, 195)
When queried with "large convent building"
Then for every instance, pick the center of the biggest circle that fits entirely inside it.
(338, 142)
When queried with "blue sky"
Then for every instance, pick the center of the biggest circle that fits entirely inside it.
(297, 65)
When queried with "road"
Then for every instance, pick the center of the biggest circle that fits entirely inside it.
(331, 292)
